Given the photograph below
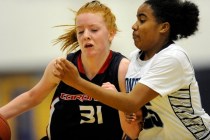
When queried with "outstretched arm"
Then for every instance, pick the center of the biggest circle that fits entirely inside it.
(139, 96)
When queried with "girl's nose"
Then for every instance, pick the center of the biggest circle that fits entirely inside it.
(86, 35)
(135, 26)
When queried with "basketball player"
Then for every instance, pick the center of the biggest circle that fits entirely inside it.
(75, 115)
(160, 76)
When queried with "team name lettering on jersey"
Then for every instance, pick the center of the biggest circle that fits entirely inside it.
(80, 97)
(130, 83)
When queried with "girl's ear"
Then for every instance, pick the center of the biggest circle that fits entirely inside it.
(111, 35)
(165, 27)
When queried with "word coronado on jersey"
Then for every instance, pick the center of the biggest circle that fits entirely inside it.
(80, 97)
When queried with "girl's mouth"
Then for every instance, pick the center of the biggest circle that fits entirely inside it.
(88, 45)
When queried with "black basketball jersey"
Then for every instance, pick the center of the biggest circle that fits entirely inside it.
(77, 116)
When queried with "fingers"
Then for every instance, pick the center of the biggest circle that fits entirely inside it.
(108, 85)
(131, 117)
(63, 66)
(137, 117)
(65, 63)
(60, 65)
(59, 68)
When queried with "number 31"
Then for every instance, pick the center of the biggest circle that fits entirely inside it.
(89, 115)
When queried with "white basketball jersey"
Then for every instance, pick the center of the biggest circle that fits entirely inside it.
(176, 114)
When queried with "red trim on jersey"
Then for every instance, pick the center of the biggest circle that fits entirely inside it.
(103, 68)
(106, 64)
(79, 63)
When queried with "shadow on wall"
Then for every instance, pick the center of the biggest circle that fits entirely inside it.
(203, 78)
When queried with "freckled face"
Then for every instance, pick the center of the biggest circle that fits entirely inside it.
(146, 30)
(92, 33)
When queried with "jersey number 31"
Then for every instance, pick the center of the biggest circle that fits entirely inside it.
(91, 115)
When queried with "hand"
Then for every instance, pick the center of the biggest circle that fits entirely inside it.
(108, 85)
(135, 123)
(66, 71)
(134, 117)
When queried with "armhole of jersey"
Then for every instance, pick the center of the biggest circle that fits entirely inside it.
(117, 58)
(190, 64)
(70, 56)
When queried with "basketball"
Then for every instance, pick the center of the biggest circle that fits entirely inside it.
(5, 132)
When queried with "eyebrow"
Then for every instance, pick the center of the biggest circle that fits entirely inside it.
(140, 14)
(91, 25)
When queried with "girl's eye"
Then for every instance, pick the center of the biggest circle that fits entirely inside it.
(142, 20)
(94, 30)
(80, 32)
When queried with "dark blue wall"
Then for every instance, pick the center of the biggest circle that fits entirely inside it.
(203, 78)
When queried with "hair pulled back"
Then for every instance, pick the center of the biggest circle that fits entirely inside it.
(69, 39)
(183, 17)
